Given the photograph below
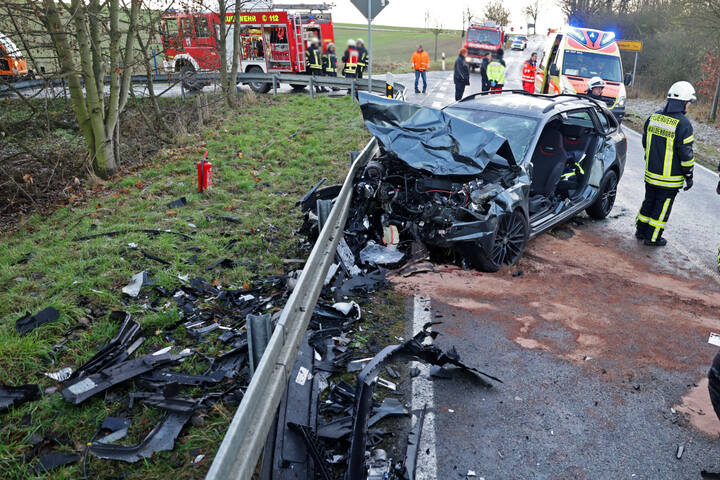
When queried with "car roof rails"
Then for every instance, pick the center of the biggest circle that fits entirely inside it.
(522, 92)
(572, 97)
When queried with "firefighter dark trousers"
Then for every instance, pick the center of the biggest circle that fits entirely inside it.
(655, 211)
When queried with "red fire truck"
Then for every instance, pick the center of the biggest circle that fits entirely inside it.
(270, 41)
(481, 39)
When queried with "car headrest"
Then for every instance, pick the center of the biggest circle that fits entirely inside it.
(550, 141)
(572, 131)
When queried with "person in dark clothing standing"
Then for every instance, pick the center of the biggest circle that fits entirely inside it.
(313, 59)
(669, 161)
(363, 58)
(330, 62)
(461, 77)
(483, 72)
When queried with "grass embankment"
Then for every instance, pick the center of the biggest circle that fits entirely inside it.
(265, 156)
(392, 50)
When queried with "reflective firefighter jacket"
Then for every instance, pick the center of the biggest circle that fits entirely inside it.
(350, 59)
(362, 58)
(496, 72)
(312, 58)
(528, 72)
(330, 63)
(668, 140)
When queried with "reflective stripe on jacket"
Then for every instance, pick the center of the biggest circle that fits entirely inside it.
(668, 139)
(420, 61)
(362, 57)
(528, 72)
(330, 63)
(350, 59)
(312, 58)
(496, 72)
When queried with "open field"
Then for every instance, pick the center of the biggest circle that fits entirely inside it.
(392, 49)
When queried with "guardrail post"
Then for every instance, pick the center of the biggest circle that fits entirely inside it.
(312, 91)
(352, 89)
(274, 85)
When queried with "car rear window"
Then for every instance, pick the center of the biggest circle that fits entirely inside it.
(518, 130)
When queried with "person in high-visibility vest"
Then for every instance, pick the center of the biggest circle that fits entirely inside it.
(363, 58)
(330, 62)
(420, 63)
(669, 161)
(496, 72)
(528, 73)
(350, 60)
(313, 59)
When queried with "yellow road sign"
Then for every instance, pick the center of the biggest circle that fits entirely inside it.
(630, 45)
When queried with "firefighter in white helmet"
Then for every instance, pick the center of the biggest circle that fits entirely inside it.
(595, 88)
(350, 60)
(668, 142)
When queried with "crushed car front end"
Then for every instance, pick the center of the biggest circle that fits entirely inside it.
(438, 179)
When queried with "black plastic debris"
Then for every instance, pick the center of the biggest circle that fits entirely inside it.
(149, 255)
(117, 350)
(224, 263)
(227, 218)
(25, 258)
(316, 450)
(13, 396)
(51, 461)
(80, 389)
(413, 444)
(29, 322)
(117, 428)
(148, 231)
(161, 438)
(136, 283)
(412, 349)
(180, 202)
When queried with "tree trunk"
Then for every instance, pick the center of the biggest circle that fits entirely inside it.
(231, 94)
(222, 48)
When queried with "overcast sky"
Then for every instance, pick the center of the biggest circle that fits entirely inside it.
(411, 13)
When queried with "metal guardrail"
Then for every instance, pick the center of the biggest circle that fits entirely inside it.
(275, 79)
(240, 450)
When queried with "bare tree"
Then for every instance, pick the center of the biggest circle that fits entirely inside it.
(532, 10)
(496, 12)
(75, 29)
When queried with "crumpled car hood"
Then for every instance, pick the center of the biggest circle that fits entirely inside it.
(431, 140)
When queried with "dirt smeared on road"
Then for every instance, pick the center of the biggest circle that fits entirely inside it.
(599, 302)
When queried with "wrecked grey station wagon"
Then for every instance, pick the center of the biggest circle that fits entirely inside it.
(483, 175)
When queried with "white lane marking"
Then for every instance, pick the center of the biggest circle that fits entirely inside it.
(628, 129)
(424, 396)
(436, 104)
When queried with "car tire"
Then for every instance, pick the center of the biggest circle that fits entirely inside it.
(258, 87)
(190, 84)
(509, 244)
(605, 200)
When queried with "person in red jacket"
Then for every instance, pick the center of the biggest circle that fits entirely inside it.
(528, 74)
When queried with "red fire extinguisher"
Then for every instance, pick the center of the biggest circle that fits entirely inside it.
(204, 174)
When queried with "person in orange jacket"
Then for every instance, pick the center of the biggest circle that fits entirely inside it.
(420, 63)
(528, 74)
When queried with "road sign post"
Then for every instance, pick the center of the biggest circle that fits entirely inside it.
(631, 46)
(370, 9)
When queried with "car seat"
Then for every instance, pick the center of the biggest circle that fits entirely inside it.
(548, 161)
(575, 141)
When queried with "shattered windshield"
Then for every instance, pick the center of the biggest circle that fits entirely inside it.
(479, 35)
(518, 130)
(586, 64)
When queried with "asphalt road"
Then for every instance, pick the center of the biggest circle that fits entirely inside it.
(598, 342)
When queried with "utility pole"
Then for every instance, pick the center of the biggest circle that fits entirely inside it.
(713, 110)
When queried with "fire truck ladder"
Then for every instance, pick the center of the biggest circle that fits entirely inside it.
(299, 41)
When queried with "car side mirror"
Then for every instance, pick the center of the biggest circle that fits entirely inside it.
(554, 72)
(628, 79)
